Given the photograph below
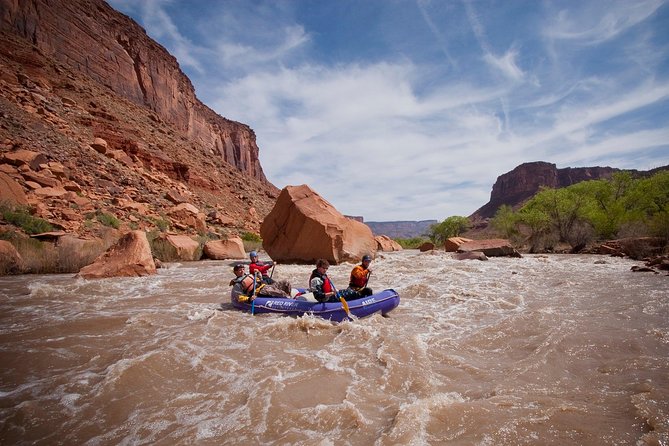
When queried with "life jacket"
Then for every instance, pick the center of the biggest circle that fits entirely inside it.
(327, 284)
(358, 277)
(246, 283)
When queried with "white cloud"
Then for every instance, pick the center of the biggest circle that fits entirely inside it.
(506, 64)
(390, 140)
(248, 56)
(597, 22)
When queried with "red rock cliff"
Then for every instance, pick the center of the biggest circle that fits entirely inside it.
(520, 184)
(91, 37)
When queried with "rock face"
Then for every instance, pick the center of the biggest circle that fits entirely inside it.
(91, 37)
(303, 227)
(513, 188)
(99, 128)
(129, 257)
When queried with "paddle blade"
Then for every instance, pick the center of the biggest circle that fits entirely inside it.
(345, 305)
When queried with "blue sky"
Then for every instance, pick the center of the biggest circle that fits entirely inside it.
(410, 110)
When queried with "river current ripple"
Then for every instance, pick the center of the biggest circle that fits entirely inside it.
(550, 350)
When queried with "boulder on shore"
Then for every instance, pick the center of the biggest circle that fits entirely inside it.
(303, 227)
(471, 255)
(232, 248)
(453, 243)
(129, 257)
(427, 246)
(185, 248)
(496, 247)
(386, 244)
(11, 261)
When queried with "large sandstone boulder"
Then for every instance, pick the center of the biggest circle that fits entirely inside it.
(303, 227)
(427, 246)
(386, 244)
(185, 215)
(11, 261)
(11, 191)
(129, 257)
(186, 248)
(491, 247)
(453, 243)
(232, 248)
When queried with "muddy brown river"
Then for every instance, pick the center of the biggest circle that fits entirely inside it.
(543, 350)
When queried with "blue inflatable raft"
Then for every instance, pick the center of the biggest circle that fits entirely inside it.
(382, 302)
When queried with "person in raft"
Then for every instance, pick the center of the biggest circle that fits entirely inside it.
(244, 285)
(323, 288)
(262, 267)
(360, 277)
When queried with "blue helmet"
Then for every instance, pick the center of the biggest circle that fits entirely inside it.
(366, 257)
(253, 254)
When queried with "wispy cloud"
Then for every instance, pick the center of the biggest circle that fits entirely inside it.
(506, 63)
(389, 139)
(597, 22)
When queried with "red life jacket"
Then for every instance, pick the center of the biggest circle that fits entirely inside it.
(327, 284)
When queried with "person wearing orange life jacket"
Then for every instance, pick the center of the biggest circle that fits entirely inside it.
(323, 288)
(360, 277)
(244, 285)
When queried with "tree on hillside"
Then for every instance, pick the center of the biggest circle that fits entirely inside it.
(565, 209)
(505, 221)
(451, 227)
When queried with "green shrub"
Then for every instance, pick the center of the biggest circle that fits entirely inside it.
(21, 218)
(108, 220)
(161, 223)
(411, 243)
(251, 237)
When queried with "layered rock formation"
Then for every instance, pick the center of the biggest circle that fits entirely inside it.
(98, 121)
(515, 187)
(303, 227)
(90, 37)
(401, 229)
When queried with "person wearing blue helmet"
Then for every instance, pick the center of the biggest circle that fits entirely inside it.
(260, 267)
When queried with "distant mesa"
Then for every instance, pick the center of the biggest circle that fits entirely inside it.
(401, 229)
(522, 183)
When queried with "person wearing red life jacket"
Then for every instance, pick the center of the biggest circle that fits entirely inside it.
(261, 267)
(323, 288)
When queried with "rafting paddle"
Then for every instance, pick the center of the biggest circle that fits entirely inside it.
(344, 304)
(253, 296)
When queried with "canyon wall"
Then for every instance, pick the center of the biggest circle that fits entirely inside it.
(515, 187)
(109, 47)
